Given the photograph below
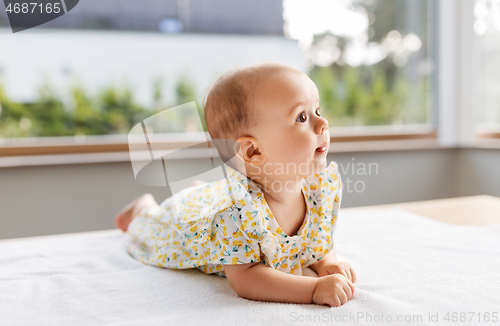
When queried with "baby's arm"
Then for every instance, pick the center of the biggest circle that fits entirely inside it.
(329, 265)
(329, 258)
(257, 281)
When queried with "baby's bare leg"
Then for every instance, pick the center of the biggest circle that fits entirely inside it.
(127, 214)
(197, 183)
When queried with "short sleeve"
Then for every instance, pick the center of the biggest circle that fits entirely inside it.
(326, 192)
(335, 186)
(337, 198)
(235, 230)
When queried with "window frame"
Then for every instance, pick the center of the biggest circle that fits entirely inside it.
(452, 121)
(105, 144)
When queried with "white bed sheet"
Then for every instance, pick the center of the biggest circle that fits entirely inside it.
(407, 265)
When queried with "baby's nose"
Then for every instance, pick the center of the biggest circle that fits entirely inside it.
(323, 128)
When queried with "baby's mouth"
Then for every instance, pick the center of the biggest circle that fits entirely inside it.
(322, 148)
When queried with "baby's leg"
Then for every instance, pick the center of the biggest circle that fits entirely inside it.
(127, 214)
(197, 183)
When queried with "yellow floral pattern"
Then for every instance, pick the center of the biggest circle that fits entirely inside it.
(229, 222)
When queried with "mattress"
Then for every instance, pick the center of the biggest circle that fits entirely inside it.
(411, 270)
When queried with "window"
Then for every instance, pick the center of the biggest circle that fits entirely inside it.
(487, 30)
(372, 60)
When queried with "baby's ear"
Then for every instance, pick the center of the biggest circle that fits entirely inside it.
(250, 151)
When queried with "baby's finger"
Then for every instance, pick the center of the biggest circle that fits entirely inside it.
(347, 290)
(342, 295)
(351, 286)
(353, 273)
(334, 301)
(349, 276)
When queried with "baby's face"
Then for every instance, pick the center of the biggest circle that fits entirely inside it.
(293, 136)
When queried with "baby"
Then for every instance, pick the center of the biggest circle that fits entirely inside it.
(268, 227)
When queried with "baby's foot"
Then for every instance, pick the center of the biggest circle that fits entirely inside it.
(197, 183)
(127, 214)
(123, 218)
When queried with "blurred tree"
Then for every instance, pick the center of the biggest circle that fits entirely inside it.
(118, 109)
(185, 93)
(47, 114)
(10, 117)
(386, 92)
(110, 111)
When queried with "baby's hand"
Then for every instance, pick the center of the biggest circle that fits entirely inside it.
(337, 268)
(333, 290)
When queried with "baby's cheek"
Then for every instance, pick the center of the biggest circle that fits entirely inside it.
(285, 149)
(291, 150)
(306, 147)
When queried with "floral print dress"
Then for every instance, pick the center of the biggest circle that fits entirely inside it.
(229, 222)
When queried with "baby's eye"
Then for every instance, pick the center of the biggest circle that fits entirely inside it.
(301, 118)
(318, 112)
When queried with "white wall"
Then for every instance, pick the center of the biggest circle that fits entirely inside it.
(478, 172)
(41, 200)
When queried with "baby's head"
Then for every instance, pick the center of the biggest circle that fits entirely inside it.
(272, 111)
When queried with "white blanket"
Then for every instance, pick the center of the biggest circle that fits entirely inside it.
(409, 267)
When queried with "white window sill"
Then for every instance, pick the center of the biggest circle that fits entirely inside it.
(111, 149)
(124, 156)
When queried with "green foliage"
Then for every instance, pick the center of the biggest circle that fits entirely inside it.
(349, 97)
(362, 97)
(382, 93)
(47, 114)
(186, 92)
(111, 111)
